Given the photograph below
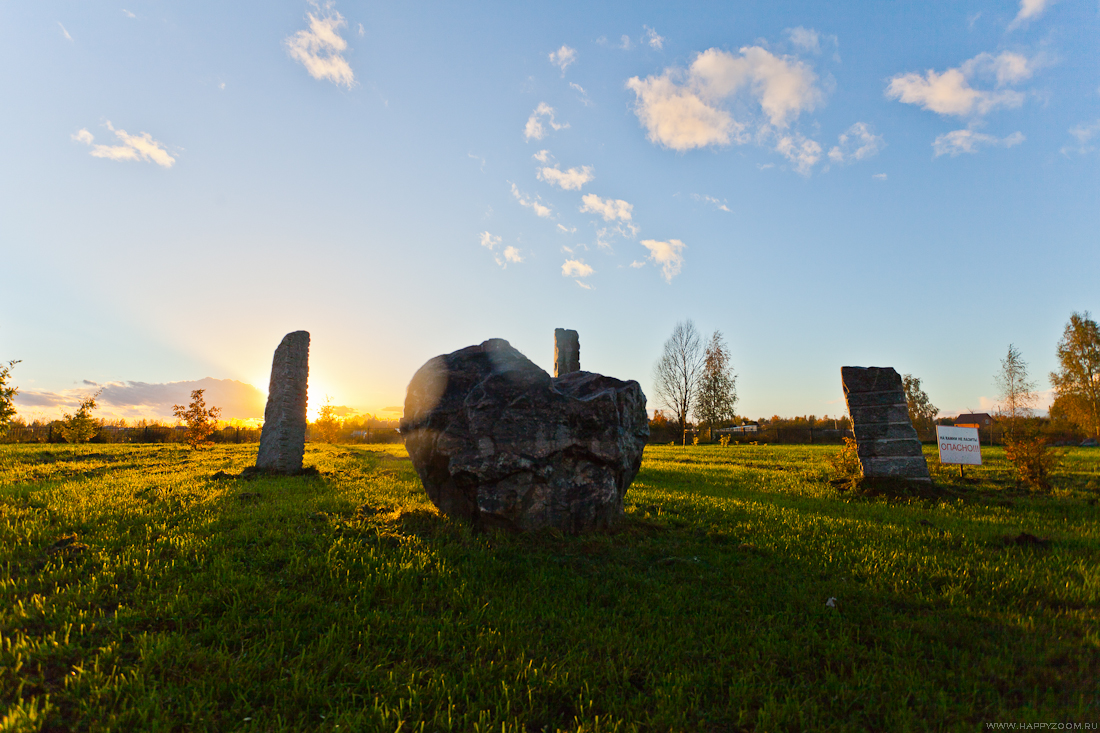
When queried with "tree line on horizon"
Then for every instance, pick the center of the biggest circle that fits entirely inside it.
(697, 388)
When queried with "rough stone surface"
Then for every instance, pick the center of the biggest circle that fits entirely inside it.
(283, 440)
(567, 352)
(499, 442)
(886, 442)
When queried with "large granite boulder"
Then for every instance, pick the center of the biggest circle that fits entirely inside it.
(499, 442)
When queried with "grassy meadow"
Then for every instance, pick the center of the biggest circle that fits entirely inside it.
(138, 591)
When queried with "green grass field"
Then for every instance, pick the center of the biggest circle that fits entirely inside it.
(139, 593)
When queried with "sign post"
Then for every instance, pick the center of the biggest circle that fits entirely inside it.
(959, 445)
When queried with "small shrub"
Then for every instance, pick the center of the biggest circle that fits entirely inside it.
(844, 467)
(1034, 460)
(724, 441)
(695, 440)
(327, 424)
(81, 426)
(199, 419)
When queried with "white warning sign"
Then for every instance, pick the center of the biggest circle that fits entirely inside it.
(959, 445)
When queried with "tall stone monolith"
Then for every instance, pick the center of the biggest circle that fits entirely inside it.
(887, 444)
(567, 352)
(283, 440)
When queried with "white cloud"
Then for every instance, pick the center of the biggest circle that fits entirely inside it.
(1084, 135)
(222, 86)
(858, 143)
(563, 57)
(584, 285)
(950, 93)
(609, 209)
(512, 254)
(362, 30)
(534, 129)
(567, 230)
(801, 151)
(667, 255)
(1030, 9)
(721, 206)
(542, 156)
(637, 263)
(320, 48)
(488, 240)
(128, 14)
(879, 176)
(133, 147)
(576, 268)
(685, 109)
(968, 141)
(805, 39)
(64, 32)
(654, 40)
(569, 180)
(532, 204)
(584, 95)
(625, 44)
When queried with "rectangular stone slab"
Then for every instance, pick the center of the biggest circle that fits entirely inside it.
(283, 439)
(567, 352)
(887, 444)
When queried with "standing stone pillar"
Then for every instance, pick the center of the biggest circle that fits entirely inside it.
(567, 352)
(283, 440)
(887, 444)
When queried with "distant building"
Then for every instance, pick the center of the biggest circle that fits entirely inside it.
(981, 419)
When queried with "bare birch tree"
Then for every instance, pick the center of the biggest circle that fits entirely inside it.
(676, 374)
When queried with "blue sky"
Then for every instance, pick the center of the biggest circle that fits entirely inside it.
(829, 184)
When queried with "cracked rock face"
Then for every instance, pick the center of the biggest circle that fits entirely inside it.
(499, 442)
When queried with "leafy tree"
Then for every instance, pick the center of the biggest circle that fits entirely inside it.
(676, 374)
(327, 423)
(1017, 390)
(717, 391)
(921, 409)
(1024, 447)
(7, 397)
(81, 426)
(200, 419)
(1077, 381)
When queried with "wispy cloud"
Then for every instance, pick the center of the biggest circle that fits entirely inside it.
(805, 39)
(567, 230)
(858, 143)
(542, 156)
(576, 268)
(534, 130)
(64, 32)
(133, 147)
(569, 180)
(584, 95)
(879, 176)
(609, 209)
(1084, 134)
(531, 203)
(693, 108)
(669, 255)
(320, 49)
(968, 141)
(654, 40)
(625, 43)
(510, 254)
(1029, 9)
(720, 205)
(128, 14)
(563, 57)
(951, 93)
